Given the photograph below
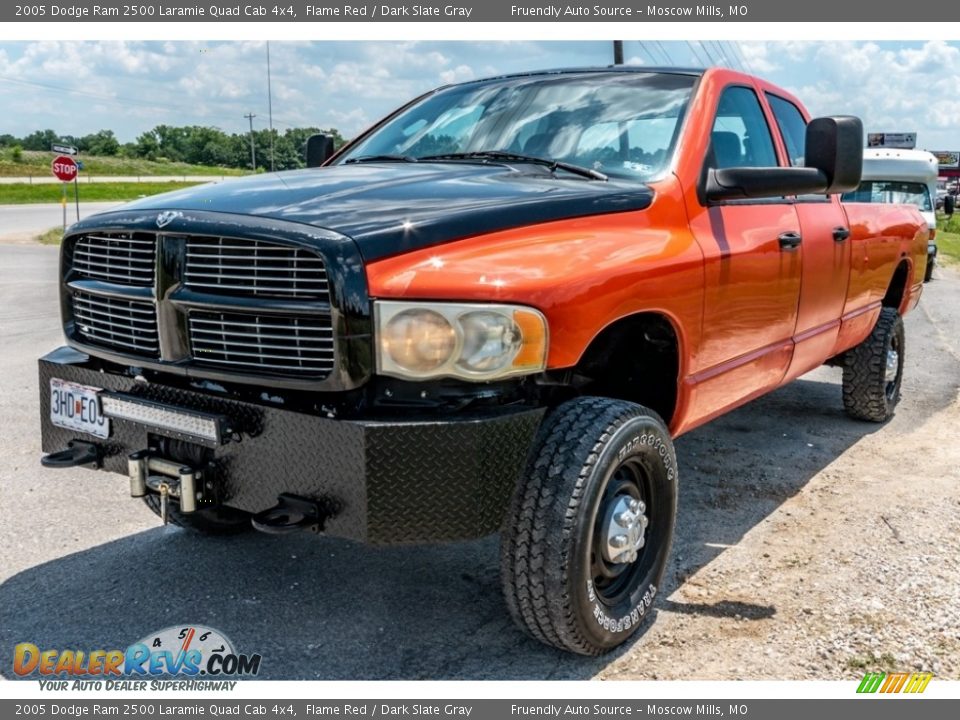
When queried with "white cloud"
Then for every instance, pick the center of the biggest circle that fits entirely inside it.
(81, 87)
(893, 89)
(457, 74)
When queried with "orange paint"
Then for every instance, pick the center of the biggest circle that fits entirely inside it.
(749, 315)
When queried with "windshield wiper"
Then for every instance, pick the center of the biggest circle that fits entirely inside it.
(517, 157)
(381, 158)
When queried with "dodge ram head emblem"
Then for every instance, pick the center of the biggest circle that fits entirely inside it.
(167, 217)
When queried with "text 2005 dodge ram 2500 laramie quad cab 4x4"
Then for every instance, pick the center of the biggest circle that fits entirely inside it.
(492, 311)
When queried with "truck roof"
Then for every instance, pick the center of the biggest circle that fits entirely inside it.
(666, 69)
(904, 165)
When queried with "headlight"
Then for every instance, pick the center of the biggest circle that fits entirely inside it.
(473, 342)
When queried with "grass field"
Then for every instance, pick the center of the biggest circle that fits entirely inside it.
(948, 239)
(20, 193)
(37, 163)
(53, 236)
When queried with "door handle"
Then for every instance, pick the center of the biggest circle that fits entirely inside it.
(840, 234)
(789, 240)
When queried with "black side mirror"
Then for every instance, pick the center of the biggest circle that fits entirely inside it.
(834, 163)
(949, 204)
(319, 150)
(835, 147)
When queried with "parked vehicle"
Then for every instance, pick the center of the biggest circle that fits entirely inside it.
(941, 193)
(902, 176)
(494, 310)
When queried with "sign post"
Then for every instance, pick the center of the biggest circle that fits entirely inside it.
(64, 169)
(76, 188)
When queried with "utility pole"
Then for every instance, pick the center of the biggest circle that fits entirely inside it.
(618, 52)
(253, 152)
(270, 105)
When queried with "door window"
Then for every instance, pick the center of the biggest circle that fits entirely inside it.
(741, 136)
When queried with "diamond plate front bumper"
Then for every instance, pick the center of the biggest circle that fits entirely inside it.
(420, 479)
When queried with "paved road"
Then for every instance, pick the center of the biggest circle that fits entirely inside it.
(84, 566)
(84, 178)
(39, 217)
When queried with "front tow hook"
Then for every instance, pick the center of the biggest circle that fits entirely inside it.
(76, 454)
(292, 513)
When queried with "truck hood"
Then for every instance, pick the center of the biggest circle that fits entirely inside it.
(391, 208)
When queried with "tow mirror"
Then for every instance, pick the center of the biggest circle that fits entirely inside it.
(949, 204)
(319, 150)
(835, 148)
(834, 164)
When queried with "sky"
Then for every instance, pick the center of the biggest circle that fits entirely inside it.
(77, 88)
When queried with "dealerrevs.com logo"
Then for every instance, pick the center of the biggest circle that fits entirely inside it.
(185, 651)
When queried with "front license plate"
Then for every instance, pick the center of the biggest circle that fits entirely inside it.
(77, 407)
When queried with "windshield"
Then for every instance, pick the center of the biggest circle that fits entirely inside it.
(891, 191)
(621, 124)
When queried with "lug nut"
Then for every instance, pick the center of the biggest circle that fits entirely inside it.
(619, 541)
(624, 519)
(634, 506)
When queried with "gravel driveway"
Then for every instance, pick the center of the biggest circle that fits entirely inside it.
(808, 545)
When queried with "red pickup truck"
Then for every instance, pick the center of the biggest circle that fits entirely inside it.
(494, 310)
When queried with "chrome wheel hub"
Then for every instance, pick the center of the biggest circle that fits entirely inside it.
(893, 364)
(624, 528)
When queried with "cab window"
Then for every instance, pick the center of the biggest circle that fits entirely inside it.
(793, 127)
(741, 136)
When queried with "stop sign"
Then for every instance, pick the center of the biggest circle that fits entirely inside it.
(65, 168)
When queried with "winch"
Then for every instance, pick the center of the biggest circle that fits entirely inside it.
(149, 473)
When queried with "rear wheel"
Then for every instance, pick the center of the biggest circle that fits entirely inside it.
(873, 370)
(588, 534)
(219, 520)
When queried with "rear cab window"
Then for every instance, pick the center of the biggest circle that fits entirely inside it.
(793, 128)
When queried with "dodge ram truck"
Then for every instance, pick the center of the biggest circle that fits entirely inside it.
(492, 311)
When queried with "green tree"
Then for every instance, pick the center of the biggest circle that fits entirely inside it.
(40, 140)
(103, 142)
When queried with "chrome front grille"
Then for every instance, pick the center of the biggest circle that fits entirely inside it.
(254, 267)
(302, 345)
(124, 258)
(126, 324)
(228, 307)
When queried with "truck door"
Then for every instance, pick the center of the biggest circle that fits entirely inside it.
(752, 259)
(826, 253)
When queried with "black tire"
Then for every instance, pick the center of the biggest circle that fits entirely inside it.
(219, 520)
(928, 273)
(591, 454)
(868, 392)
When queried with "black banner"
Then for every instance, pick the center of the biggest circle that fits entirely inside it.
(875, 709)
(323, 11)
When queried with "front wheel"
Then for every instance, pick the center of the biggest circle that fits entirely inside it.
(588, 534)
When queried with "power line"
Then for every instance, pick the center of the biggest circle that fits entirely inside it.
(114, 99)
(736, 46)
(270, 105)
(665, 53)
(696, 55)
(707, 52)
(718, 49)
(643, 46)
(731, 58)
